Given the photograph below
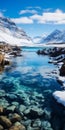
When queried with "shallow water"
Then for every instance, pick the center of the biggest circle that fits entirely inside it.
(31, 73)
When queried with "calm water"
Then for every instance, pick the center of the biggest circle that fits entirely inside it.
(30, 72)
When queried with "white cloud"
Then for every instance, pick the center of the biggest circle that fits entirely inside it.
(28, 11)
(22, 20)
(57, 17)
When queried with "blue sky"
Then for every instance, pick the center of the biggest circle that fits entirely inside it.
(36, 17)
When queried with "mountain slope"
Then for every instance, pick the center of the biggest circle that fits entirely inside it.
(11, 34)
(56, 36)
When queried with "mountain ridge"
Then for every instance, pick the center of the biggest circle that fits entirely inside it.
(10, 33)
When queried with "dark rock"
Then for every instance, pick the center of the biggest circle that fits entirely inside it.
(46, 125)
(5, 122)
(33, 113)
(1, 127)
(15, 117)
(18, 126)
(62, 70)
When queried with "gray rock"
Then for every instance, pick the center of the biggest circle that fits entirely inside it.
(47, 112)
(15, 104)
(31, 128)
(37, 123)
(46, 125)
(12, 96)
(33, 112)
(22, 108)
(27, 122)
(10, 108)
(2, 93)
(4, 102)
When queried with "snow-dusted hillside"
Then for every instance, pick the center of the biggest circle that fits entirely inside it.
(56, 36)
(10, 33)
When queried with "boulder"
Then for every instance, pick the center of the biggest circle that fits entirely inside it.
(2, 93)
(5, 122)
(1, 110)
(33, 112)
(46, 125)
(1, 127)
(10, 109)
(15, 117)
(18, 126)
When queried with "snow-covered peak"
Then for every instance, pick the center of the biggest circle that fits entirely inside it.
(56, 36)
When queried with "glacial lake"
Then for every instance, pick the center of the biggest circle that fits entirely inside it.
(31, 73)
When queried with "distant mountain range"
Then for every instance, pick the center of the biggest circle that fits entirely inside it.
(10, 33)
(56, 36)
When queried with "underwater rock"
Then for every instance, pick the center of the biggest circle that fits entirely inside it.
(47, 113)
(12, 97)
(4, 102)
(18, 126)
(46, 125)
(15, 117)
(33, 112)
(1, 110)
(1, 127)
(5, 122)
(27, 122)
(15, 103)
(2, 93)
(10, 109)
(31, 128)
(22, 108)
(37, 123)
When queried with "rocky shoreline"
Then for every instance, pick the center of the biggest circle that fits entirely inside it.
(57, 57)
(6, 53)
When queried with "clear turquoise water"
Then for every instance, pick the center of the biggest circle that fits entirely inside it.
(30, 72)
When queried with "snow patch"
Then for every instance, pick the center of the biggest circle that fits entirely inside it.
(60, 97)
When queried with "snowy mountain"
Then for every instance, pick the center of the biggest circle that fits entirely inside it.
(56, 36)
(10, 33)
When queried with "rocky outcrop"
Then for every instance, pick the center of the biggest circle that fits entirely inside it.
(62, 70)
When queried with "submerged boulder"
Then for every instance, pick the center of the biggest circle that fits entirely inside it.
(5, 122)
(18, 126)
